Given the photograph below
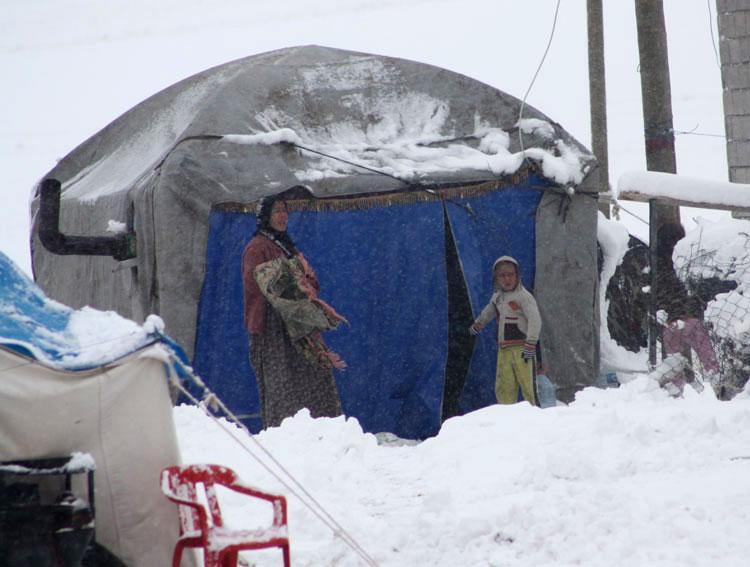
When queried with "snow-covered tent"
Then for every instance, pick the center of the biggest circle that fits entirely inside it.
(94, 383)
(417, 178)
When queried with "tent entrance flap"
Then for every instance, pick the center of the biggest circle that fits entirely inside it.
(383, 268)
(460, 318)
(221, 345)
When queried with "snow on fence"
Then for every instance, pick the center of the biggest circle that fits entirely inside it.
(702, 297)
(671, 189)
(714, 264)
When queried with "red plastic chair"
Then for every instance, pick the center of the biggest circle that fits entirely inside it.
(220, 544)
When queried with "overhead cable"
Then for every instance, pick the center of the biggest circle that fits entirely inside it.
(713, 38)
(533, 79)
(621, 208)
(408, 184)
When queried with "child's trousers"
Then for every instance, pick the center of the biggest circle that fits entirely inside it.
(514, 372)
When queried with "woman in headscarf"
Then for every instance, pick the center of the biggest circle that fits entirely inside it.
(284, 318)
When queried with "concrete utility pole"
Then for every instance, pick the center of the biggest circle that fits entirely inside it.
(598, 96)
(658, 131)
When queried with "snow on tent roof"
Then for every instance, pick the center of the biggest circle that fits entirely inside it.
(410, 120)
(38, 327)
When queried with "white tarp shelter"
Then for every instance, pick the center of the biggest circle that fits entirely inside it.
(92, 382)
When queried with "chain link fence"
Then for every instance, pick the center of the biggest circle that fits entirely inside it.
(718, 277)
(701, 302)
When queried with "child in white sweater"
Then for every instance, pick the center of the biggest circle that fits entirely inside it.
(518, 328)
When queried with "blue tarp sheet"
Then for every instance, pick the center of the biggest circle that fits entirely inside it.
(37, 327)
(383, 268)
(29, 323)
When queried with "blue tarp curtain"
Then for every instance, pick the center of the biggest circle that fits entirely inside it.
(383, 268)
(30, 323)
(37, 327)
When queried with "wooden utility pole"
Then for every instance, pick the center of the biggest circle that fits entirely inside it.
(658, 130)
(656, 93)
(598, 96)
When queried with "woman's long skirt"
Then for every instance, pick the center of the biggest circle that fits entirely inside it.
(287, 382)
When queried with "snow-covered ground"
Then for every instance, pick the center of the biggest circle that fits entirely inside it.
(621, 477)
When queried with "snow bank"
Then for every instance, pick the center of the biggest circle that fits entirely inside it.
(621, 477)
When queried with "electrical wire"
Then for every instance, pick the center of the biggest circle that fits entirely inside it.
(620, 207)
(693, 132)
(353, 164)
(408, 184)
(533, 80)
(713, 38)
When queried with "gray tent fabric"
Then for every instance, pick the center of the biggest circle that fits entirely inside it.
(236, 132)
(565, 291)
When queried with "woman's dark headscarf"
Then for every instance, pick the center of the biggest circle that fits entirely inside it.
(265, 207)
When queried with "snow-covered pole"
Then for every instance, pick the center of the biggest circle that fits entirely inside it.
(656, 94)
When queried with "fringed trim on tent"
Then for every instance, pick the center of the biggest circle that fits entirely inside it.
(370, 201)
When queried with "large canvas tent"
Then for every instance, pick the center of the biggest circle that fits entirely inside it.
(416, 178)
(92, 383)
